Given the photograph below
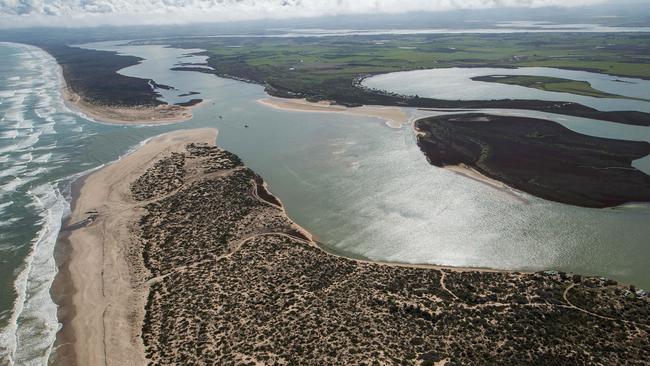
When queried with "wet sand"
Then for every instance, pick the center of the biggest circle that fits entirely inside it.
(102, 306)
(471, 173)
(393, 116)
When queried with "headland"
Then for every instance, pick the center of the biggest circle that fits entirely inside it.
(142, 114)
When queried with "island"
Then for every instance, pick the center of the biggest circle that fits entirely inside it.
(539, 157)
(179, 254)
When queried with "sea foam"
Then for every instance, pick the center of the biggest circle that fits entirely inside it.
(28, 111)
(34, 308)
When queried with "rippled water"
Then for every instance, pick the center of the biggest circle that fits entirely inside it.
(363, 189)
(32, 204)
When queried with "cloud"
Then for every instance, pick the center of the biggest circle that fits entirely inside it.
(24, 13)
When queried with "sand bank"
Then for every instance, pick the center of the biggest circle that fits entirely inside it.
(395, 117)
(105, 308)
(162, 114)
(471, 173)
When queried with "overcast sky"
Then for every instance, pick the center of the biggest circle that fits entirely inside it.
(22, 13)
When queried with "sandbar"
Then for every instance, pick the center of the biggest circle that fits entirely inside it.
(394, 117)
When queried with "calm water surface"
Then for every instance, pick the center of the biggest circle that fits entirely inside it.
(457, 84)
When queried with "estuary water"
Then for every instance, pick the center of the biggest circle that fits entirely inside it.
(364, 189)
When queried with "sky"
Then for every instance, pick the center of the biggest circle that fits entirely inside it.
(27, 13)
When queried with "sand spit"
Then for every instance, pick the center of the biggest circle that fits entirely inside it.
(238, 283)
(394, 116)
(107, 302)
(185, 257)
(471, 173)
(162, 114)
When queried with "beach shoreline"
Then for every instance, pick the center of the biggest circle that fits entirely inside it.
(394, 117)
(159, 115)
(115, 115)
(62, 288)
(468, 172)
(96, 280)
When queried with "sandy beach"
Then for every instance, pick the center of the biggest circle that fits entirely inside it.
(104, 305)
(393, 116)
(162, 114)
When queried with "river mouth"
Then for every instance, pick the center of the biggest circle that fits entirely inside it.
(366, 190)
(363, 189)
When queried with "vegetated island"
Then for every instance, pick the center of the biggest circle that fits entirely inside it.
(552, 84)
(94, 87)
(181, 255)
(539, 157)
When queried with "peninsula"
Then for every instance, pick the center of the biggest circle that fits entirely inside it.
(552, 84)
(93, 85)
(179, 254)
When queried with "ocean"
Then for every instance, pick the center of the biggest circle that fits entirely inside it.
(364, 189)
(44, 147)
